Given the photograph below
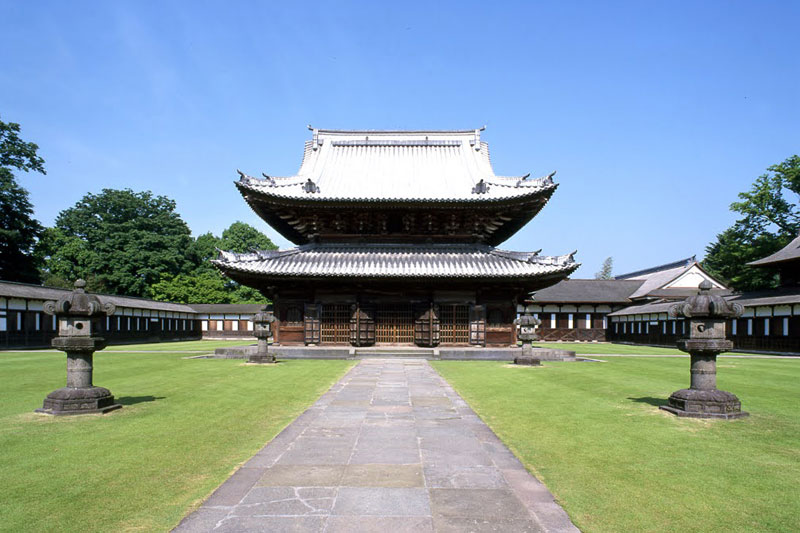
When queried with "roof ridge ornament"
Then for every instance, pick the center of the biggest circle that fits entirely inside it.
(310, 186)
(475, 142)
(315, 141)
(481, 187)
(246, 178)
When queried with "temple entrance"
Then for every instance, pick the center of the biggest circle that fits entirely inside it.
(394, 323)
(335, 323)
(454, 323)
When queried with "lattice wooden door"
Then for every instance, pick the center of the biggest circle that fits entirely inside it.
(394, 323)
(335, 325)
(454, 323)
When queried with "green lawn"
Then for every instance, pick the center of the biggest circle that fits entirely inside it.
(185, 426)
(588, 348)
(592, 432)
(600, 348)
(205, 346)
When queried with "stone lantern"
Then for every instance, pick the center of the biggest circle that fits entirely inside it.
(262, 330)
(706, 314)
(78, 315)
(527, 334)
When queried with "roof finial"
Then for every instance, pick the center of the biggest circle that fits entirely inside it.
(315, 139)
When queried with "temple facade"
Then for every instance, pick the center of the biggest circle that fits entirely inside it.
(396, 235)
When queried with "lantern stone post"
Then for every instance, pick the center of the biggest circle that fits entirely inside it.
(706, 314)
(78, 315)
(262, 330)
(527, 334)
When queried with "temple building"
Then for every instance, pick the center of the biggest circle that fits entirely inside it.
(396, 235)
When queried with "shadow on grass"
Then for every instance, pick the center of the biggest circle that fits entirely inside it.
(656, 402)
(131, 400)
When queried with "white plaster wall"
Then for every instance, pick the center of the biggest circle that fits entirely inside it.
(16, 303)
(783, 310)
(691, 279)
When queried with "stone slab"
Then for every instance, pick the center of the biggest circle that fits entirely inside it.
(362, 460)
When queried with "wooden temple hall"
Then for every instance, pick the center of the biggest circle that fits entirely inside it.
(396, 235)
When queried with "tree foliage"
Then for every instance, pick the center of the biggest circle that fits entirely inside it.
(19, 231)
(605, 270)
(124, 240)
(770, 219)
(205, 284)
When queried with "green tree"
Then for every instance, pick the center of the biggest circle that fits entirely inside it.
(770, 219)
(206, 284)
(241, 238)
(605, 270)
(196, 288)
(19, 231)
(126, 241)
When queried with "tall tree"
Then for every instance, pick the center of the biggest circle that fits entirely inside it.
(240, 237)
(124, 240)
(605, 270)
(19, 231)
(205, 284)
(770, 219)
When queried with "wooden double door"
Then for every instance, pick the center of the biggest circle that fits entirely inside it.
(423, 323)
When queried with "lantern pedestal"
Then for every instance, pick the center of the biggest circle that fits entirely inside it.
(78, 315)
(80, 396)
(693, 403)
(78, 401)
(262, 330)
(261, 355)
(706, 314)
(526, 332)
(527, 357)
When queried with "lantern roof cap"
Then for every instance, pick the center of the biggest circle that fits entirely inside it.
(705, 304)
(79, 303)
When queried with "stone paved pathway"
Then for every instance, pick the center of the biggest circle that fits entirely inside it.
(390, 448)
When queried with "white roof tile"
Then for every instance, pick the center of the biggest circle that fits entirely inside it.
(392, 165)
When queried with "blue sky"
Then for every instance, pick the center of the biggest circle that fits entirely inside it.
(654, 114)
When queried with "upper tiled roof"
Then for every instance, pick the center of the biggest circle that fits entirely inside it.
(780, 296)
(641, 274)
(588, 291)
(10, 289)
(397, 261)
(790, 252)
(409, 166)
(669, 280)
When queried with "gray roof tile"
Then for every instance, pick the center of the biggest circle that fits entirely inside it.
(588, 291)
(10, 289)
(397, 260)
(790, 252)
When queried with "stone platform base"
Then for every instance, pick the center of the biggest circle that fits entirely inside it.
(693, 403)
(78, 401)
(443, 353)
(527, 360)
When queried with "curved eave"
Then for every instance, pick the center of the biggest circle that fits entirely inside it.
(520, 193)
(264, 205)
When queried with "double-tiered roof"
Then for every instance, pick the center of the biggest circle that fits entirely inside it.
(396, 204)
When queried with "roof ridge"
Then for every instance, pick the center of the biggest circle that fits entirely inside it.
(667, 266)
(396, 131)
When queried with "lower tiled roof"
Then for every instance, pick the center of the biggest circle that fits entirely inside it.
(397, 261)
(611, 291)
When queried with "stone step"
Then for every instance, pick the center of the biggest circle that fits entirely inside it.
(392, 351)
